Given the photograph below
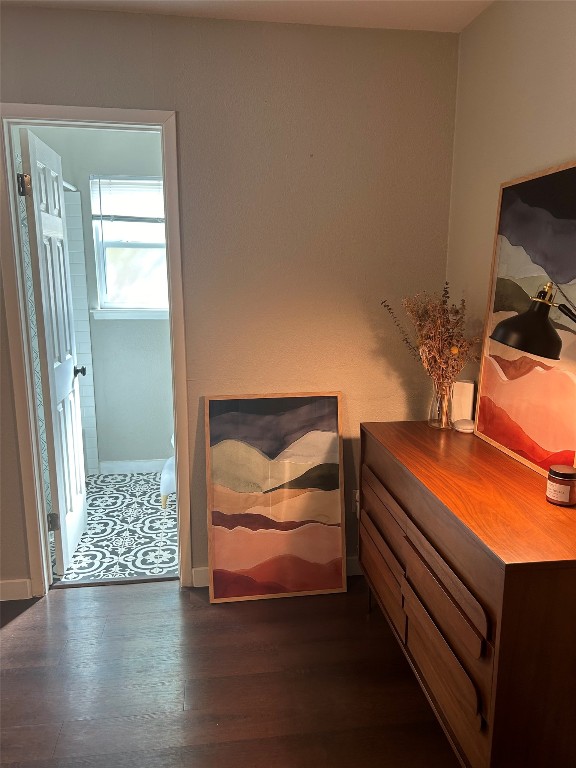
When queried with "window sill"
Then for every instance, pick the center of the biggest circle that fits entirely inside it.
(129, 314)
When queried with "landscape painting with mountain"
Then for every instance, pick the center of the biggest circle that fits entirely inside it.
(527, 404)
(274, 475)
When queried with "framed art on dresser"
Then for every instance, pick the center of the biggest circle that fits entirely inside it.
(527, 402)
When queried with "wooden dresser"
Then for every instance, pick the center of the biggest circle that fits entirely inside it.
(476, 574)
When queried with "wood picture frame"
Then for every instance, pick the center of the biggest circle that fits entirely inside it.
(275, 495)
(526, 404)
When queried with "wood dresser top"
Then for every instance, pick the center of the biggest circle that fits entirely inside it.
(500, 500)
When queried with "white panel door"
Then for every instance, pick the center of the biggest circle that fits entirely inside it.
(47, 232)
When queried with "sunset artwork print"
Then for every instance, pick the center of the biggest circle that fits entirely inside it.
(527, 404)
(274, 475)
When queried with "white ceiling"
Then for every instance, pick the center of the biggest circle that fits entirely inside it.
(429, 15)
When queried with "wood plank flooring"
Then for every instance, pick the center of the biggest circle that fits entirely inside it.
(151, 676)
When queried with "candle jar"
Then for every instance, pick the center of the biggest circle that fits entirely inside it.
(561, 485)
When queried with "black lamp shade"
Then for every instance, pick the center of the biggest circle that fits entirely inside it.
(530, 332)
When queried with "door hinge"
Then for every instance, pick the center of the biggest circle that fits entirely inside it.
(53, 521)
(24, 184)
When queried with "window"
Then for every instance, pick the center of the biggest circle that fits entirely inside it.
(129, 242)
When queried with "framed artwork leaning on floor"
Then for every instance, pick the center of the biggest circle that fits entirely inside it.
(275, 496)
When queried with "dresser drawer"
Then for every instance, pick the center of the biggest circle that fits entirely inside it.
(446, 612)
(382, 580)
(452, 691)
(473, 650)
(381, 545)
(385, 496)
(455, 588)
(382, 515)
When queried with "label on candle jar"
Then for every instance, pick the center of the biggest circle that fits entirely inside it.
(557, 492)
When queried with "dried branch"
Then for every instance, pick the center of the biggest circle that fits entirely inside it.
(441, 344)
(413, 349)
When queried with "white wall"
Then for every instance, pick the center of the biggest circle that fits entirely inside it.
(314, 172)
(131, 358)
(133, 387)
(516, 115)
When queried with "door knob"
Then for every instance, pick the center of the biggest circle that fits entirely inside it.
(79, 371)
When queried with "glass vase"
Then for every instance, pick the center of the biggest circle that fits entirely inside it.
(440, 416)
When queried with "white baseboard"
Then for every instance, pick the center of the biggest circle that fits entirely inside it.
(128, 467)
(16, 589)
(200, 577)
(353, 566)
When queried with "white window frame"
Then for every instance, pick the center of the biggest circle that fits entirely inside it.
(109, 309)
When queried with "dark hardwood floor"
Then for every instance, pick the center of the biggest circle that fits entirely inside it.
(10, 609)
(150, 676)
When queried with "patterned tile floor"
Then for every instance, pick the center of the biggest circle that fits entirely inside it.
(129, 535)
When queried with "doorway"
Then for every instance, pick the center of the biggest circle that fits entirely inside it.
(114, 205)
(120, 479)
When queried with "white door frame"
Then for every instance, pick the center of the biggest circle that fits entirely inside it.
(19, 343)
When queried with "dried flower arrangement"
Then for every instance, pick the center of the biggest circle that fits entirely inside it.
(440, 344)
